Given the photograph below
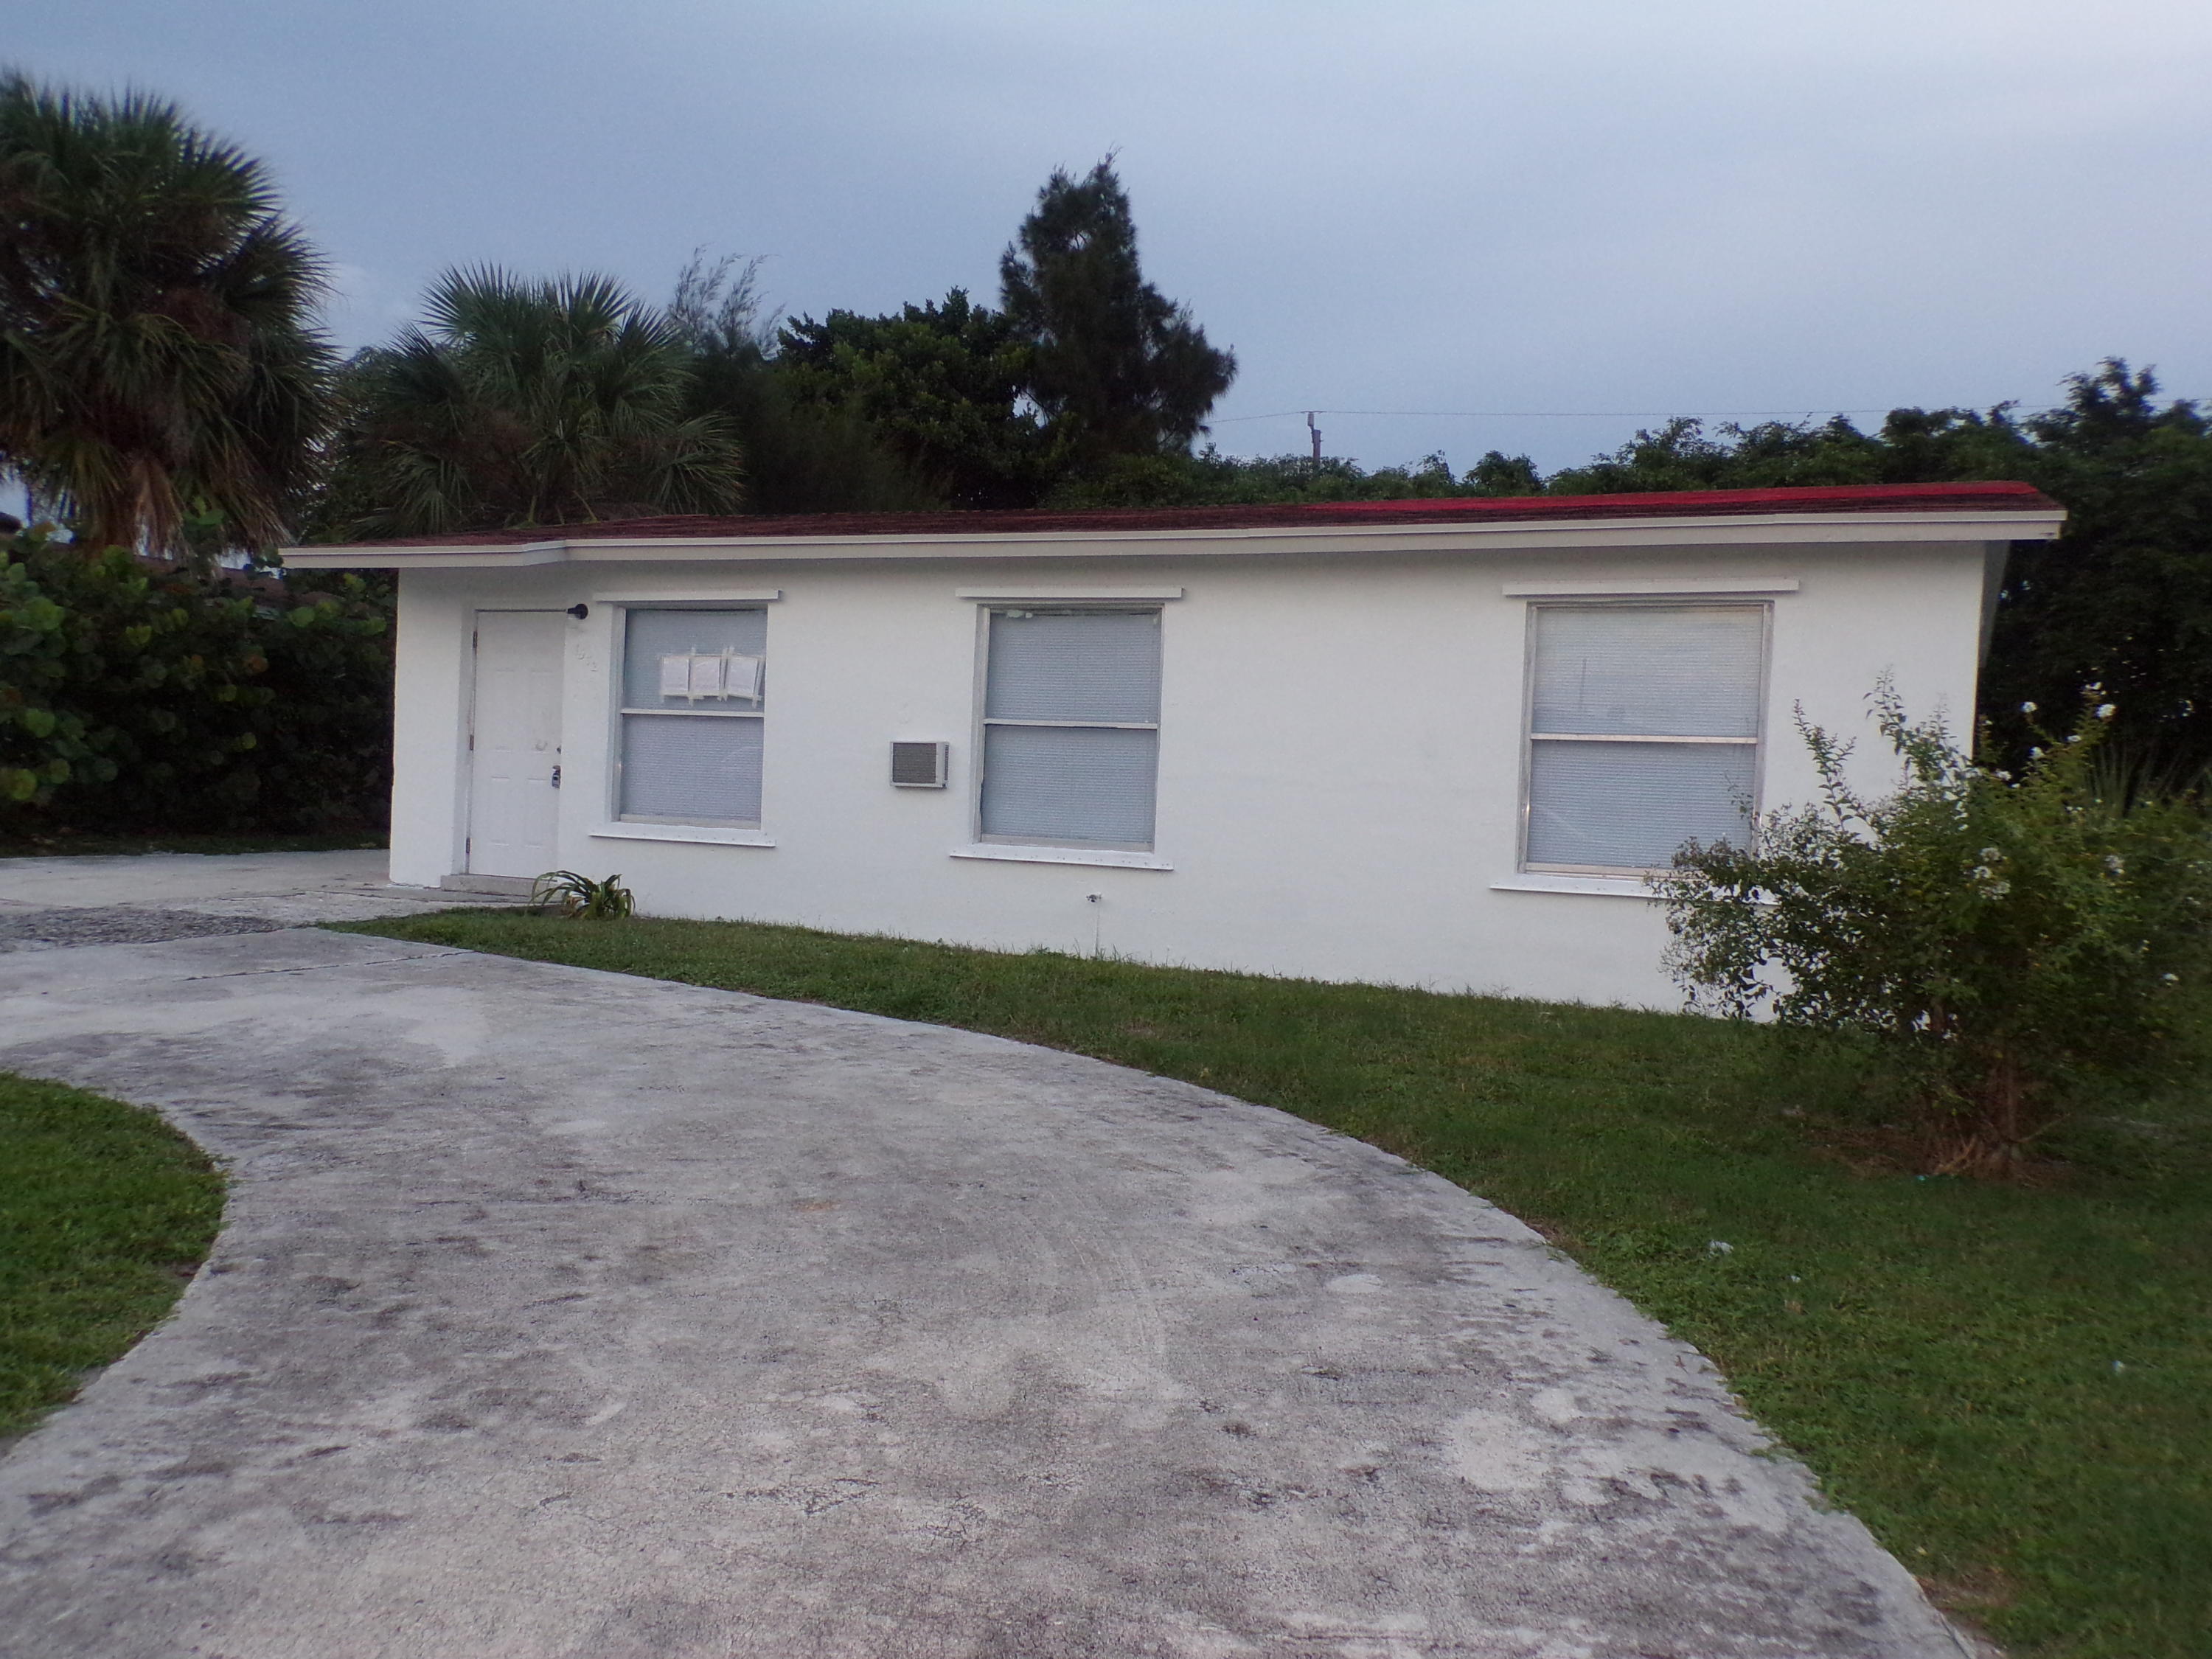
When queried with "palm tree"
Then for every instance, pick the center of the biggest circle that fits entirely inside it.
(157, 360)
(525, 402)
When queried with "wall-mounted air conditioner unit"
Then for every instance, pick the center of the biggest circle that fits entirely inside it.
(918, 765)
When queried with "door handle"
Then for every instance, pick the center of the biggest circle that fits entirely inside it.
(557, 777)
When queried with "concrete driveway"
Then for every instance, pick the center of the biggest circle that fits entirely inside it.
(565, 1314)
(47, 903)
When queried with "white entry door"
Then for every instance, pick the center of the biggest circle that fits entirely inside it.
(514, 743)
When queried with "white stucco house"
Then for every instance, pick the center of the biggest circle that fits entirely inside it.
(1426, 742)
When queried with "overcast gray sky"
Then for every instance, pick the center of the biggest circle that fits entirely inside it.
(1615, 206)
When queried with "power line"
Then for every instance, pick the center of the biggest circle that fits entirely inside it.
(1547, 414)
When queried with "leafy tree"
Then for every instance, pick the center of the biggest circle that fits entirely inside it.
(806, 450)
(527, 402)
(156, 356)
(1914, 446)
(943, 385)
(2124, 598)
(977, 408)
(1212, 479)
(1683, 455)
(1116, 367)
(1497, 473)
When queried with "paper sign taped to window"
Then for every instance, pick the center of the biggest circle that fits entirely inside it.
(692, 675)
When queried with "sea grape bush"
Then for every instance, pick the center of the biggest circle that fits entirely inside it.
(138, 697)
(2008, 939)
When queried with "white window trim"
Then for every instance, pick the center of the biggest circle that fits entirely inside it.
(1651, 587)
(1107, 596)
(1025, 850)
(1013, 852)
(618, 825)
(705, 834)
(1632, 875)
(1595, 886)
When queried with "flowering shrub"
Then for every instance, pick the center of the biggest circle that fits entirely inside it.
(2006, 938)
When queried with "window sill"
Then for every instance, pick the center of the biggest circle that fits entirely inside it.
(705, 834)
(1063, 856)
(1536, 881)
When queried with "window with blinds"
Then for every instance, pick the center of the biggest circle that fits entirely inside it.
(694, 691)
(1642, 732)
(1071, 727)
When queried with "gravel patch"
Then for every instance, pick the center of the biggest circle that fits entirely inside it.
(118, 924)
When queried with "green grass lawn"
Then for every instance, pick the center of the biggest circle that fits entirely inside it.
(2012, 1385)
(71, 845)
(105, 1212)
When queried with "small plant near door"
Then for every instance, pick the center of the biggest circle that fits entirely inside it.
(579, 898)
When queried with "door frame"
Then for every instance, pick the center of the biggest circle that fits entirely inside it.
(468, 755)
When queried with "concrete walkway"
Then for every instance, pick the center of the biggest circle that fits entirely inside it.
(49, 902)
(565, 1314)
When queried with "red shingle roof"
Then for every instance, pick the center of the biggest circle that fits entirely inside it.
(1316, 515)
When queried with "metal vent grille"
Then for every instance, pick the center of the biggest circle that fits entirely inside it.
(918, 765)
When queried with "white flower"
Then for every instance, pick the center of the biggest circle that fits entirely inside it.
(1997, 889)
(2001, 777)
(1719, 1247)
(1992, 854)
(2074, 737)
(2115, 864)
(2170, 979)
(1983, 872)
(2035, 754)
(2027, 709)
(2107, 710)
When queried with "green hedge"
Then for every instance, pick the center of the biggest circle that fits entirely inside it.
(139, 698)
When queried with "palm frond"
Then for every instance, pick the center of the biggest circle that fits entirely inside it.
(523, 401)
(157, 355)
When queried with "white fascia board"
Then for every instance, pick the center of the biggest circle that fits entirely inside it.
(423, 558)
(1769, 529)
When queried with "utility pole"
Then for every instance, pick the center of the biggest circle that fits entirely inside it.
(1315, 430)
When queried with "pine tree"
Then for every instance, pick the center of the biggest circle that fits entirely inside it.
(1117, 368)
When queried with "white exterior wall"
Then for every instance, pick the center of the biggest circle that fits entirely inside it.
(1339, 754)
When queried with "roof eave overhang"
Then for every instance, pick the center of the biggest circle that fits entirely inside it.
(1763, 529)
